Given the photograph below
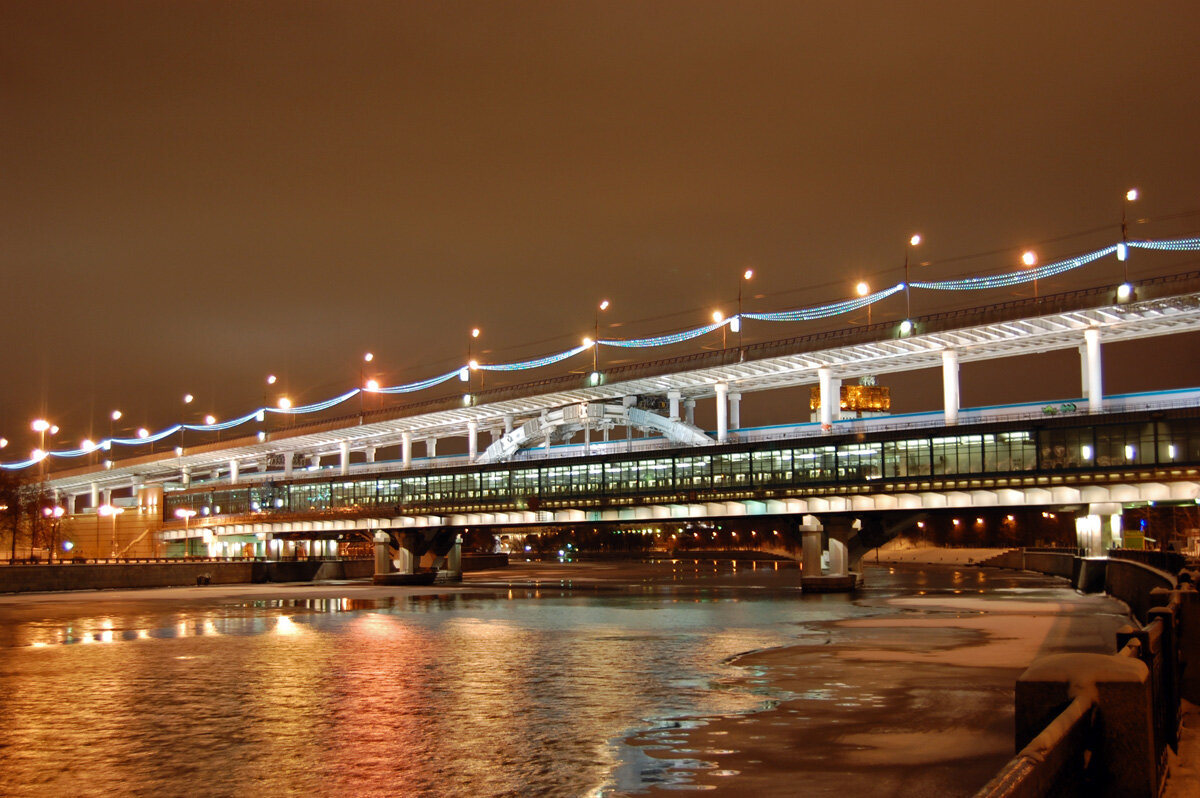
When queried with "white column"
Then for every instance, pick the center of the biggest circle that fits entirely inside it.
(185, 478)
(1095, 394)
(95, 495)
(370, 454)
(810, 537)
(722, 412)
(71, 504)
(106, 495)
(735, 411)
(587, 437)
(673, 397)
(472, 440)
(1083, 370)
(233, 472)
(950, 385)
(344, 458)
(508, 423)
(431, 448)
(314, 461)
(287, 465)
(689, 411)
(828, 400)
(406, 449)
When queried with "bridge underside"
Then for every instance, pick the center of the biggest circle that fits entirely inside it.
(1092, 499)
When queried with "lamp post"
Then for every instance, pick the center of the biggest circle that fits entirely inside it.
(54, 515)
(1029, 259)
(914, 241)
(109, 511)
(746, 275)
(186, 514)
(596, 341)
(366, 358)
(1123, 249)
(863, 289)
(472, 364)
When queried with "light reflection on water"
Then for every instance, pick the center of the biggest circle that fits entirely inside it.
(514, 692)
(455, 694)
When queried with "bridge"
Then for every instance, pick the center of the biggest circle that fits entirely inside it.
(553, 457)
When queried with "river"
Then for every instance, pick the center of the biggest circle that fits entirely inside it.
(547, 679)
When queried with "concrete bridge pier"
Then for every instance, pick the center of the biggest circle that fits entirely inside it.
(402, 568)
(813, 580)
(1099, 529)
(445, 554)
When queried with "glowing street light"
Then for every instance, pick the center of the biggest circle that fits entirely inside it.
(284, 403)
(54, 515)
(186, 513)
(40, 425)
(863, 289)
(1123, 248)
(472, 364)
(913, 241)
(187, 398)
(1029, 258)
(210, 419)
(366, 358)
(603, 306)
(108, 511)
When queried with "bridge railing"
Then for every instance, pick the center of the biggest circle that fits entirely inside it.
(1095, 724)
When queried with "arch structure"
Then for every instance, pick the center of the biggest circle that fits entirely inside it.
(561, 424)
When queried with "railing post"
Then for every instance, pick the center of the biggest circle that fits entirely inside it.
(1123, 754)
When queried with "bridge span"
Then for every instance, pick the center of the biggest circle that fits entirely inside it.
(1096, 453)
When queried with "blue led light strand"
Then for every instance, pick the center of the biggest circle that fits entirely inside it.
(1176, 245)
(419, 386)
(533, 364)
(667, 340)
(315, 407)
(824, 311)
(1018, 277)
(221, 426)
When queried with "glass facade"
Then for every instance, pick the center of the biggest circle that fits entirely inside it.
(690, 475)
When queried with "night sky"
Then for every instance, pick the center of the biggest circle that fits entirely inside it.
(194, 195)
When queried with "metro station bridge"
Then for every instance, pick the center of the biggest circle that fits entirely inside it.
(552, 458)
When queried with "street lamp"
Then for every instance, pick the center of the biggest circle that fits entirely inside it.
(914, 241)
(367, 358)
(472, 364)
(862, 289)
(1123, 248)
(54, 514)
(1029, 259)
(737, 322)
(186, 514)
(108, 511)
(596, 342)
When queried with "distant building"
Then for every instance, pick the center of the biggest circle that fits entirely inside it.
(865, 400)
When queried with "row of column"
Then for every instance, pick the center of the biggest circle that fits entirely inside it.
(728, 408)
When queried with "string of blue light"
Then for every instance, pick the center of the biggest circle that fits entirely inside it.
(825, 311)
(1002, 280)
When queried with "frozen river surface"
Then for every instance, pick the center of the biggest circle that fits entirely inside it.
(542, 680)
